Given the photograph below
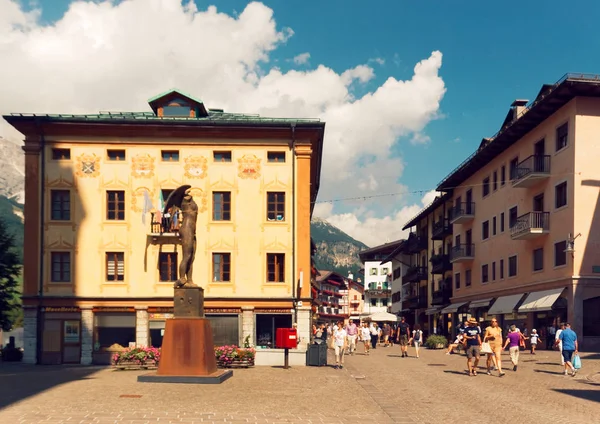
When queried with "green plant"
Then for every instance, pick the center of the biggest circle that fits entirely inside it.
(436, 341)
(247, 342)
(137, 355)
(227, 354)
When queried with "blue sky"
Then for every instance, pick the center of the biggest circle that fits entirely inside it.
(493, 53)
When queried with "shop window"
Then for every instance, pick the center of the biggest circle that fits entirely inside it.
(61, 205)
(167, 265)
(157, 332)
(110, 329)
(115, 205)
(266, 328)
(275, 267)
(275, 206)
(225, 329)
(221, 206)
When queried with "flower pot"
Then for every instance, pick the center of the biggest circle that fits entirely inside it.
(135, 365)
(235, 363)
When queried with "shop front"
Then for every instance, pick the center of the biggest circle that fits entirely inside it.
(545, 308)
(266, 325)
(61, 335)
(114, 330)
(455, 315)
(479, 309)
(504, 310)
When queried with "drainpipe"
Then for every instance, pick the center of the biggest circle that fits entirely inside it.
(42, 177)
(294, 292)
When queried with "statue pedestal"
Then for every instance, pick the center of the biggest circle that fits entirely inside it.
(187, 353)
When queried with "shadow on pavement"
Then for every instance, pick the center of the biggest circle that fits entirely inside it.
(550, 372)
(593, 395)
(456, 372)
(20, 381)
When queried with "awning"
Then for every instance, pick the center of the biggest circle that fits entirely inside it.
(452, 308)
(432, 311)
(541, 301)
(483, 303)
(384, 316)
(505, 304)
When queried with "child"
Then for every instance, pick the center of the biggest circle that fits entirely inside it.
(533, 339)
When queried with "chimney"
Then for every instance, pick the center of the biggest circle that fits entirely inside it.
(518, 106)
(350, 275)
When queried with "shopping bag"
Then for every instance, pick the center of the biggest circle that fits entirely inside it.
(576, 362)
(486, 348)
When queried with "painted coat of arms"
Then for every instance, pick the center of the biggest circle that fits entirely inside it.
(249, 167)
(87, 165)
(142, 166)
(195, 166)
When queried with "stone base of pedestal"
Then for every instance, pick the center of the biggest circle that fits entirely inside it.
(217, 378)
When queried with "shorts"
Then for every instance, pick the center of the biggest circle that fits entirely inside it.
(404, 340)
(473, 351)
(567, 355)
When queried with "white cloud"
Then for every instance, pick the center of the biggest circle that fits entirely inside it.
(302, 58)
(115, 55)
(378, 60)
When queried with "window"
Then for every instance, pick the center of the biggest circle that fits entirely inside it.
(115, 205)
(562, 136)
(502, 269)
(538, 259)
(61, 205)
(275, 206)
(384, 302)
(495, 181)
(167, 265)
(512, 266)
(176, 110)
(373, 271)
(60, 263)
(115, 266)
(221, 206)
(384, 271)
(494, 226)
(170, 155)
(503, 175)
(502, 222)
(560, 256)
(222, 156)
(485, 230)
(514, 164)
(484, 273)
(493, 271)
(468, 278)
(275, 156)
(486, 186)
(512, 216)
(221, 265)
(61, 154)
(560, 195)
(457, 280)
(373, 301)
(276, 267)
(116, 155)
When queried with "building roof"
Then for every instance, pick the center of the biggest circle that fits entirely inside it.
(325, 275)
(383, 249)
(549, 100)
(439, 200)
(395, 252)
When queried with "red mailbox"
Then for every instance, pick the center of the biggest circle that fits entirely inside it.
(286, 338)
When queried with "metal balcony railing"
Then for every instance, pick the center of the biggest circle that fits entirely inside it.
(462, 209)
(529, 221)
(461, 251)
(534, 164)
(160, 224)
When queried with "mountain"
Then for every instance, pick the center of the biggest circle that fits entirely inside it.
(12, 177)
(336, 250)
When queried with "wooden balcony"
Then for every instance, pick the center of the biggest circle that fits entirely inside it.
(415, 243)
(530, 226)
(443, 295)
(441, 229)
(462, 213)
(414, 274)
(440, 263)
(462, 253)
(530, 171)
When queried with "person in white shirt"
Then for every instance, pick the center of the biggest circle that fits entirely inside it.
(365, 336)
(340, 340)
(557, 340)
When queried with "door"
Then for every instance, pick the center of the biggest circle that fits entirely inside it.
(538, 203)
(51, 342)
(468, 201)
(539, 150)
(71, 352)
(468, 241)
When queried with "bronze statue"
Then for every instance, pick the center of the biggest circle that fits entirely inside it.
(182, 199)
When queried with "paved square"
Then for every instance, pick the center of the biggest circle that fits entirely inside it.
(379, 388)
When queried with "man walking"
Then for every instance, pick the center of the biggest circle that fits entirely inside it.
(403, 336)
(570, 346)
(352, 331)
(550, 336)
(473, 337)
(558, 342)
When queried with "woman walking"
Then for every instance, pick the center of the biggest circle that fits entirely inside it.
(340, 338)
(493, 335)
(514, 340)
(365, 336)
(417, 338)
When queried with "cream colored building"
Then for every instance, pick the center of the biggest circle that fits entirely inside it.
(100, 260)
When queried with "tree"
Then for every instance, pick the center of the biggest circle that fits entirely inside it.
(10, 270)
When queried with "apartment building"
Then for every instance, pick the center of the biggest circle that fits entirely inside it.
(526, 216)
(101, 258)
(330, 292)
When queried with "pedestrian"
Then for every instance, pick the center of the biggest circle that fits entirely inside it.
(374, 335)
(570, 346)
(386, 334)
(550, 336)
(403, 336)
(352, 331)
(493, 335)
(457, 342)
(473, 337)
(558, 342)
(533, 340)
(513, 340)
(417, 338)
(365, 336)
(340, 344)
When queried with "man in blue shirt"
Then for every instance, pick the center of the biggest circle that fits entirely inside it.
(473, 337)
(569, 347)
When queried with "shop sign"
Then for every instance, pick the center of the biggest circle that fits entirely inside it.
(60, 309)
(273, 311)
(159, 317)
(160, 310)
(222, 310)
(113, 309)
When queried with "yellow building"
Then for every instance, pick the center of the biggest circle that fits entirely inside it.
(100, 260)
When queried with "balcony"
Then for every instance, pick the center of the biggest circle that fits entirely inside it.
(441, 229)
(379, 290)
(414, 274)
(530, 226)
(415, 301)
(530, 171)
(443, 295)
(440, 263)
(462, 253)
(164, 229)
(462, 213)
(416, 244)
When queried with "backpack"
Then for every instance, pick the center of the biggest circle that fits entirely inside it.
(417, 336)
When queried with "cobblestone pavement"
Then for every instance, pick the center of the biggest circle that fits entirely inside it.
(383, 388)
